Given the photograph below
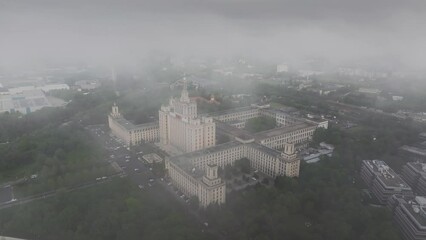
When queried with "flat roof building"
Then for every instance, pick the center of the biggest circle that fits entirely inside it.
(382, 181)
(414, 153)
(409, 213)
(414, 173)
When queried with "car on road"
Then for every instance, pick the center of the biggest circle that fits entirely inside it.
(127, 160)
(141, 186)
(149, 184)
(136, 169)
(151, 179)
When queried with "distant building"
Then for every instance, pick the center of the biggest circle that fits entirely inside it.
(414, 153)
(87, 84)
(130, 133)
(422, 136)
(409, 213)
(51, 87)
(397, 98)
(313, 155)
(414, 173)
(10, 238)
(24, 101)
(369, 90)
(382, 181)
(282, 68)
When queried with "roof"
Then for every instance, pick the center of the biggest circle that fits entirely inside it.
(418, 167)
(9, 238)
(386, 174)
(269, 151)
(233, 110)
(410, 208)
(125, 123)
(27, 99)
(282, 130)
(184, 161)
(415, 150)
(130, 126)
(236, 132)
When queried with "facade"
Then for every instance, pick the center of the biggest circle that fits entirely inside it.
(130, 133)
(382, 181)
(187, 171)
(414, 173)
(182, 128)
(409, 214)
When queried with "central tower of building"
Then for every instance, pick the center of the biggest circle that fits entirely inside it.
(182, 128)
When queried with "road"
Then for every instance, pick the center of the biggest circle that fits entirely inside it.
(6, 194)
(139, 172)
(130, 162)
(53, 193)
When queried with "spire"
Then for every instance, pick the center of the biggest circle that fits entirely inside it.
(115, 113)
(184, 97)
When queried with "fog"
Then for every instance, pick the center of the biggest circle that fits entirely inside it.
(123, 31)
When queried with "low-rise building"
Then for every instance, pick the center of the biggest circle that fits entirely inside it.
(414, 173)
(187, 171)
(382, 181)
(414, 153)
(409, 214)
(130, 133)
(24, 101)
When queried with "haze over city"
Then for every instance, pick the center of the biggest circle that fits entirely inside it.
(386, 33)
(212, 120)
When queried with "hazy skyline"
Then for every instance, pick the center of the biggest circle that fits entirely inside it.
(107, 31)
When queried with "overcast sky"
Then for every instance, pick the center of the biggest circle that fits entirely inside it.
(281, 30)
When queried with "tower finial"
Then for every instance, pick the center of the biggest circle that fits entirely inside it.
(184, 97)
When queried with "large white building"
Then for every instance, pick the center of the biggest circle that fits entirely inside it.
(182, 128)
(130, 133)
(193, 168)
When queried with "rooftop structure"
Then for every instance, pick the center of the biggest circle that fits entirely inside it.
(152, 158)
(409, 213)
(382, 181)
